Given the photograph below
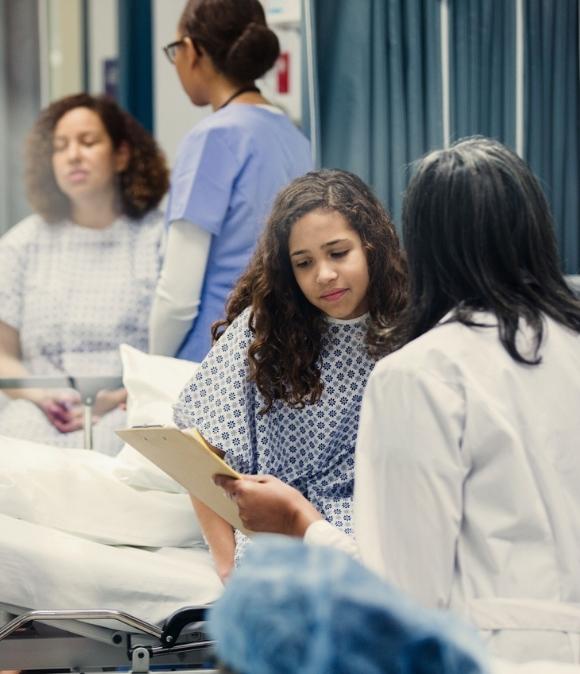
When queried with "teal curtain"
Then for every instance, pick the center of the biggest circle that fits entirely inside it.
(552, 114)
(136, 59)
(378, 99)
(378, 68)
(482, 58)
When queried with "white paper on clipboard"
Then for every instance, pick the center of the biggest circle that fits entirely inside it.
(187, 458)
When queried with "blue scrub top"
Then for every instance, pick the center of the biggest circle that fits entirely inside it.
(228, 171)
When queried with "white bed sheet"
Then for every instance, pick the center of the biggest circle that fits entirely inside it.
(43, 568)
(80, 492)
(66, 523)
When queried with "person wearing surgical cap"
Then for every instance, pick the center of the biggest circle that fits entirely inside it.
(292, 608)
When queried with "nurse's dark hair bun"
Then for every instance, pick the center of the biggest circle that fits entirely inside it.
(252, 54)
(234, 34)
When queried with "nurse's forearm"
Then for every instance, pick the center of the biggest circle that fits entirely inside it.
(178, 293)
(167, 327)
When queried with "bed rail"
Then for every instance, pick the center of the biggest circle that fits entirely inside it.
(88, 387)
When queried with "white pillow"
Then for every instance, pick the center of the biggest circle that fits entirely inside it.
(153, 385)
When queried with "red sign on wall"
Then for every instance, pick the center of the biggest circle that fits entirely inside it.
(283, 73)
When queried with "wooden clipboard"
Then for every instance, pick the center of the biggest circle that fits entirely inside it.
(187, 458)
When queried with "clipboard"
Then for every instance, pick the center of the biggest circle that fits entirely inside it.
(187, 458)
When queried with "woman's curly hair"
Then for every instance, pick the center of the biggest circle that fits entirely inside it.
(141, 185)
(284, 354)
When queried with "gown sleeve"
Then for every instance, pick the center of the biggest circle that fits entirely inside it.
(220, 401)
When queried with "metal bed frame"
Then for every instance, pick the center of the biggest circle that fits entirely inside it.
(61, 641)
(32, 641)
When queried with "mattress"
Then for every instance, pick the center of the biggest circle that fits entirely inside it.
(73, 535)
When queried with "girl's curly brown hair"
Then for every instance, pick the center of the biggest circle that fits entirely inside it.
(141, 185)
(283, 357)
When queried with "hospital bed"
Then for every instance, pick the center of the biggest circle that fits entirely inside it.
(137, 568)
(82, 530)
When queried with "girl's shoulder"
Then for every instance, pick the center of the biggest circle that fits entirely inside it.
(238, 335)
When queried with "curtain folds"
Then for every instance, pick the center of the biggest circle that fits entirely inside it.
(379, 88)
(482, 54)
(552, 113)
(379, 71)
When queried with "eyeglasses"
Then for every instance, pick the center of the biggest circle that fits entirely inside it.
(171, 49)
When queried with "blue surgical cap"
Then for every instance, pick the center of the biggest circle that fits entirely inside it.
(293, 608)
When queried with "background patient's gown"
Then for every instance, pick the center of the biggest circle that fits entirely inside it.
(74, 294)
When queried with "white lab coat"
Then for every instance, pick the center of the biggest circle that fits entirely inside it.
(467, 489)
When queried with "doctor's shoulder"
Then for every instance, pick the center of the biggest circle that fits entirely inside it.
(447, 352)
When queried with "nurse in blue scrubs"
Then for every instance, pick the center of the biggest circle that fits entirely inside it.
(228, 170)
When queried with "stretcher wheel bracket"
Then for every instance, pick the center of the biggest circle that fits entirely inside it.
(140, 659)
(179, 620)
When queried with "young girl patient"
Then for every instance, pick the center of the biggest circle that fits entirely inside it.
(281, 389)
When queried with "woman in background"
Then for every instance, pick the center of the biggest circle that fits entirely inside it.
(77, 277)
(228, 170)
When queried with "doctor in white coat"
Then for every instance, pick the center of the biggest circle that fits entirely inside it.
(467, 488)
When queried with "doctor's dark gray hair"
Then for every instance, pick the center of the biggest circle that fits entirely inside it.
(234, 34)
(288, 330)
(479, 236)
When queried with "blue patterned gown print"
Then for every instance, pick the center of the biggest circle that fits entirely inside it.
(312, 448)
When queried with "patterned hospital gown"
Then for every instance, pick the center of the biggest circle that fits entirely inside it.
(74, 294)
(311, 448)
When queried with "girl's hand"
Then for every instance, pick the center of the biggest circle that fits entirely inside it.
(266, 504)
